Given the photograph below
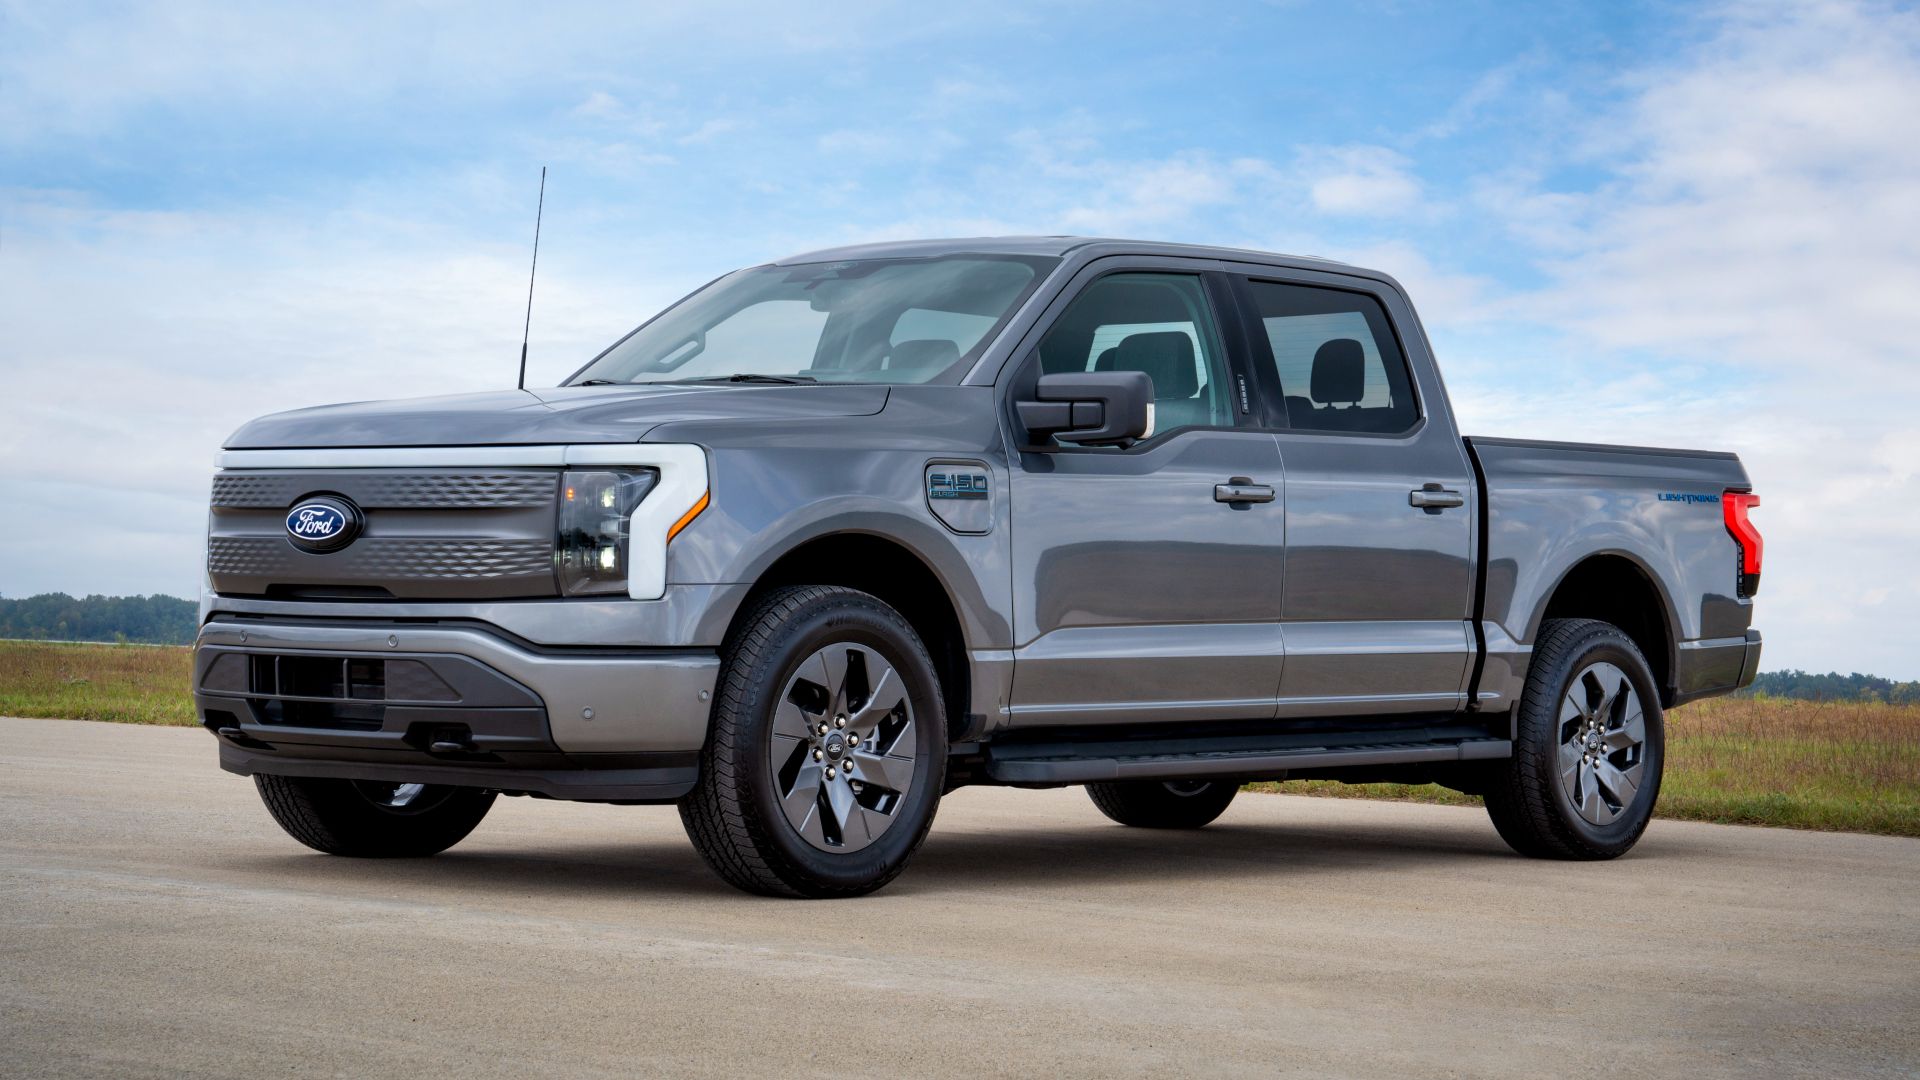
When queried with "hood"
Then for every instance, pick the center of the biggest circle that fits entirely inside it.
(550, 415)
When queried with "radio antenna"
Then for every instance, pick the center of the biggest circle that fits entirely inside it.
(527, 328)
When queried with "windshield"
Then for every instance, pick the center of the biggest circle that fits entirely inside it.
(865, 321)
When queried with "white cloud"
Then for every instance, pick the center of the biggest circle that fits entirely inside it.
(1761, 227)
(1358, 180)
(136, 342)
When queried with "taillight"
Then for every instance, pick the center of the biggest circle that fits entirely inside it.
(1734, 505)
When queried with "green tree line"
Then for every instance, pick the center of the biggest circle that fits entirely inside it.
(1833, 686)
(156, 619)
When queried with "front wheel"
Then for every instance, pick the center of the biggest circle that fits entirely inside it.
(1588, 751)
(1163, 804)
(370, 819)
(826, 750)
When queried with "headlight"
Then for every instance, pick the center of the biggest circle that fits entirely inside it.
(590, 551)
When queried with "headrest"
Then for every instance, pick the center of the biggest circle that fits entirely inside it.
(1165, 355)
(1339, 373)
(923, 353)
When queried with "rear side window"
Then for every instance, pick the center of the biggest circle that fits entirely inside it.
(1336, 359)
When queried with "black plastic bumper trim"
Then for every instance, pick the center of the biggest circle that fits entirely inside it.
(655, 778)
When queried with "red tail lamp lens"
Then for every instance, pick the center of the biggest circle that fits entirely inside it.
(1735, 505)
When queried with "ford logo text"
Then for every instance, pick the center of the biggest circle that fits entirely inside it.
(323, 524)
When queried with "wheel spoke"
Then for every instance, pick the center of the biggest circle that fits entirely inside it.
(1621, 698)
(1621, 783)
(800, 799)
(1571, 710)
(840, 799)
(888, 691)
(791, 722)
(871, 824)
(883, 770)
(829, 668)
(1570, 776)
(1571, 752)
(1592, 806)
(1632, 731)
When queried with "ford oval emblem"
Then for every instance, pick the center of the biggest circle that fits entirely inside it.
(322, 524)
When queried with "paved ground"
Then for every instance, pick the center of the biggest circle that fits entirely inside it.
(154, 921)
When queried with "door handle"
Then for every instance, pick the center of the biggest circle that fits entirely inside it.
(1240, 489)
(1434, 498)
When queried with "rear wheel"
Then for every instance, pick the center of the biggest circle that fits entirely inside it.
(1586, 764)
(371, 819)
(827, 748)
(1163, 804)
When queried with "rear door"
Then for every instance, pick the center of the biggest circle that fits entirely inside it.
(1377, 594)
(1138, 596)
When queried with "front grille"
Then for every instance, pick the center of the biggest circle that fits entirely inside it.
(390, 489)
(408, 558)
(430, 534)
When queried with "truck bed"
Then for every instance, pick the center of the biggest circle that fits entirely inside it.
(1548, 507)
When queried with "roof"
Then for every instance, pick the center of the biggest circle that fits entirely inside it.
(1043, 245)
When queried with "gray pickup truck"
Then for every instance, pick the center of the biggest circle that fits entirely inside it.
(836, 535)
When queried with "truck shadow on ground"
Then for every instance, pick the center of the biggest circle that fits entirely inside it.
(955, 860)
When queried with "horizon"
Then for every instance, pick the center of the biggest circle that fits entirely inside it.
(1689, 225)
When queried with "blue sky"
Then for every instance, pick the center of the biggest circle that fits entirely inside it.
(1660, 223)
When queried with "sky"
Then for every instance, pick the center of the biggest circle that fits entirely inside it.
(1657, 223)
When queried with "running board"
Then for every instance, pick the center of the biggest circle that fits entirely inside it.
(1064, 764)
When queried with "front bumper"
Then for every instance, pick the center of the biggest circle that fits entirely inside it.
(452, 703)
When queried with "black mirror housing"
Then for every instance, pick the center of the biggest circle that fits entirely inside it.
(1094, 408)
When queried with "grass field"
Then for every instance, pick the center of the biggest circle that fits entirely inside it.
(1850, 766)
(1811, 765)
(128, 684)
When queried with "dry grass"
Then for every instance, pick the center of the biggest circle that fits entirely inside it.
(1850, 766)
(130, 684)
(1812, 765)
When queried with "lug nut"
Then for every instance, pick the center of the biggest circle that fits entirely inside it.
(829, 772)
(823, 729)
(839, 721)
(817, 755)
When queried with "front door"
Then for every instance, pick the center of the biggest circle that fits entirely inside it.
(1379, 575)
(1140, 597)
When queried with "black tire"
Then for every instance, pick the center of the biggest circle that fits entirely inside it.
(365, 819)
(1533, 802)
(1156, 804)
(735, 816)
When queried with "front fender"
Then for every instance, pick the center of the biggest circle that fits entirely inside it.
(766, 504)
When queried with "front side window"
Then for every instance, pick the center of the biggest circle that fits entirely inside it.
(861, 321)
(1160, 324)
(1336, 359)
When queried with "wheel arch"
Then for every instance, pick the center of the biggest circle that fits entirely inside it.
(900, 577)
(1616, 587)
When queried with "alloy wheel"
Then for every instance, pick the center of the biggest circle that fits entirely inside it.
(1603, 743)
(843, 747)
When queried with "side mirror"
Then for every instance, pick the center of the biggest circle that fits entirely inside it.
(1097, 408)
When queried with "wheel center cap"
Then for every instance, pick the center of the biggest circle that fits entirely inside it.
(836, 745)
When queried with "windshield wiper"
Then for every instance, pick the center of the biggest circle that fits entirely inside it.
(743, 377)
(598, 382)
